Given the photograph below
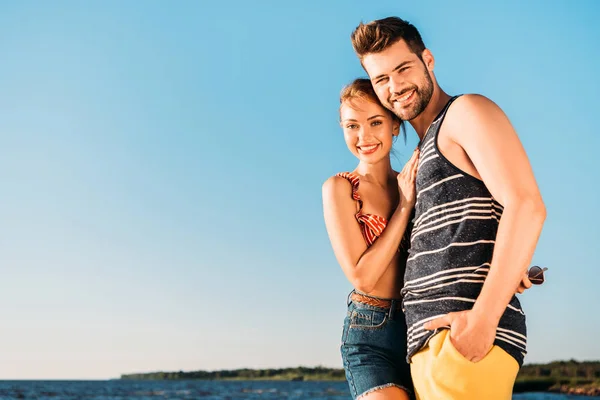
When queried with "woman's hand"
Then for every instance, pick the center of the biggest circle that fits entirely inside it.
(406, 181)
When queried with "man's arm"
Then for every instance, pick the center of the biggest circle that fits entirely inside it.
(484, 132)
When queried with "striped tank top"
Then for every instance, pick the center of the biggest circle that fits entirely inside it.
(452, 242)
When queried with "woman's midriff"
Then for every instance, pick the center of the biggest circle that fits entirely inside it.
(391, 282)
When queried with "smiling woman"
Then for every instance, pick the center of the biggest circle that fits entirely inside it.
(367, 125)
(366, 214)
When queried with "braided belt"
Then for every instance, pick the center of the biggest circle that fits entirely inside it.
(373, 301)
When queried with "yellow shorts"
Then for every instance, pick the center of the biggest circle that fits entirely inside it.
(440, 372)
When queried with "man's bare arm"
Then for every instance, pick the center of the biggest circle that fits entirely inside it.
(490, 141)
(481, 128)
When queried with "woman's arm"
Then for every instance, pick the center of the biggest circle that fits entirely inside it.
(364, 266)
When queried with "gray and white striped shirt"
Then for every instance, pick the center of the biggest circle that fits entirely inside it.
(452, 242)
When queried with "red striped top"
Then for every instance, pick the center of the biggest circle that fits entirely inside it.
(371, 225)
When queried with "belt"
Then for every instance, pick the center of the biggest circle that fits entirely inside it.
(374, 301)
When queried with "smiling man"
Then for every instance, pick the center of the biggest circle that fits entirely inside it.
(478, 218)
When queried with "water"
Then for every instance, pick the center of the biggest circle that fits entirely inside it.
(203, 390)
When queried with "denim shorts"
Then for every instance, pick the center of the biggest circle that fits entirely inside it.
(374, 349)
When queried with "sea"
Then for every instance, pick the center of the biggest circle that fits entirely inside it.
(204, 390)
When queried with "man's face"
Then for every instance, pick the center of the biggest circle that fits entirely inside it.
(400, 79)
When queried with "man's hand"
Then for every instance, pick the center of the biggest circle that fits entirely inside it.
(471, 334)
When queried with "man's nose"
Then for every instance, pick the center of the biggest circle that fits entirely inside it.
(395, 85)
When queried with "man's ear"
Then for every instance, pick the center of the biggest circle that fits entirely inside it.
(428, 59)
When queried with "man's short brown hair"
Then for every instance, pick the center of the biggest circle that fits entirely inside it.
(378, 35)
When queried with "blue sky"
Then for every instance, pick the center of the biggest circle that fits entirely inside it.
(161, 167)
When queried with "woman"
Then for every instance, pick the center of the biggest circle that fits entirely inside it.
(366, 214)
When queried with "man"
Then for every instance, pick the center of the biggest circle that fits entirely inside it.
(478, 217)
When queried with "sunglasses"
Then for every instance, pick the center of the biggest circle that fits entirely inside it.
(536, 274)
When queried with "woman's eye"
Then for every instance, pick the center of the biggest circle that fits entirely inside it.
(375, 123)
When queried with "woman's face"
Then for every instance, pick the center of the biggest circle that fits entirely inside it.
(368, 129)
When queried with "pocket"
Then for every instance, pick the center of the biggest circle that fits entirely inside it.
(368, 319)
(457, 355)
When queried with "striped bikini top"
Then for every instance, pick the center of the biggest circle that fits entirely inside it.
(371, 225)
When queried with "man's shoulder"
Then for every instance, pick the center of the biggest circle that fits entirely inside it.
(471, 109)
(472, 103)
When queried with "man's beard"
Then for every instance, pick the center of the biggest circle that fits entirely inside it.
(423, 96)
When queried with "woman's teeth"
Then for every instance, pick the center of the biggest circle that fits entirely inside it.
(368, 149)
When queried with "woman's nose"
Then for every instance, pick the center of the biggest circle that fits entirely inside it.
(364, 132)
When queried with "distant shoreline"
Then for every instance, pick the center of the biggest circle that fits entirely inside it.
(246, 374)
(569, 377)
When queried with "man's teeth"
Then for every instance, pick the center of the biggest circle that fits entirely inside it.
(405, 97)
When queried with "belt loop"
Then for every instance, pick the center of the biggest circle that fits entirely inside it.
(348, 301)
(392, 308)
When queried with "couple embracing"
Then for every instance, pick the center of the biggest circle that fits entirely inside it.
(437, 251)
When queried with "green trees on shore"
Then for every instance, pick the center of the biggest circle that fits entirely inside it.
(299, 373)
(560, 376)
(559, 371)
